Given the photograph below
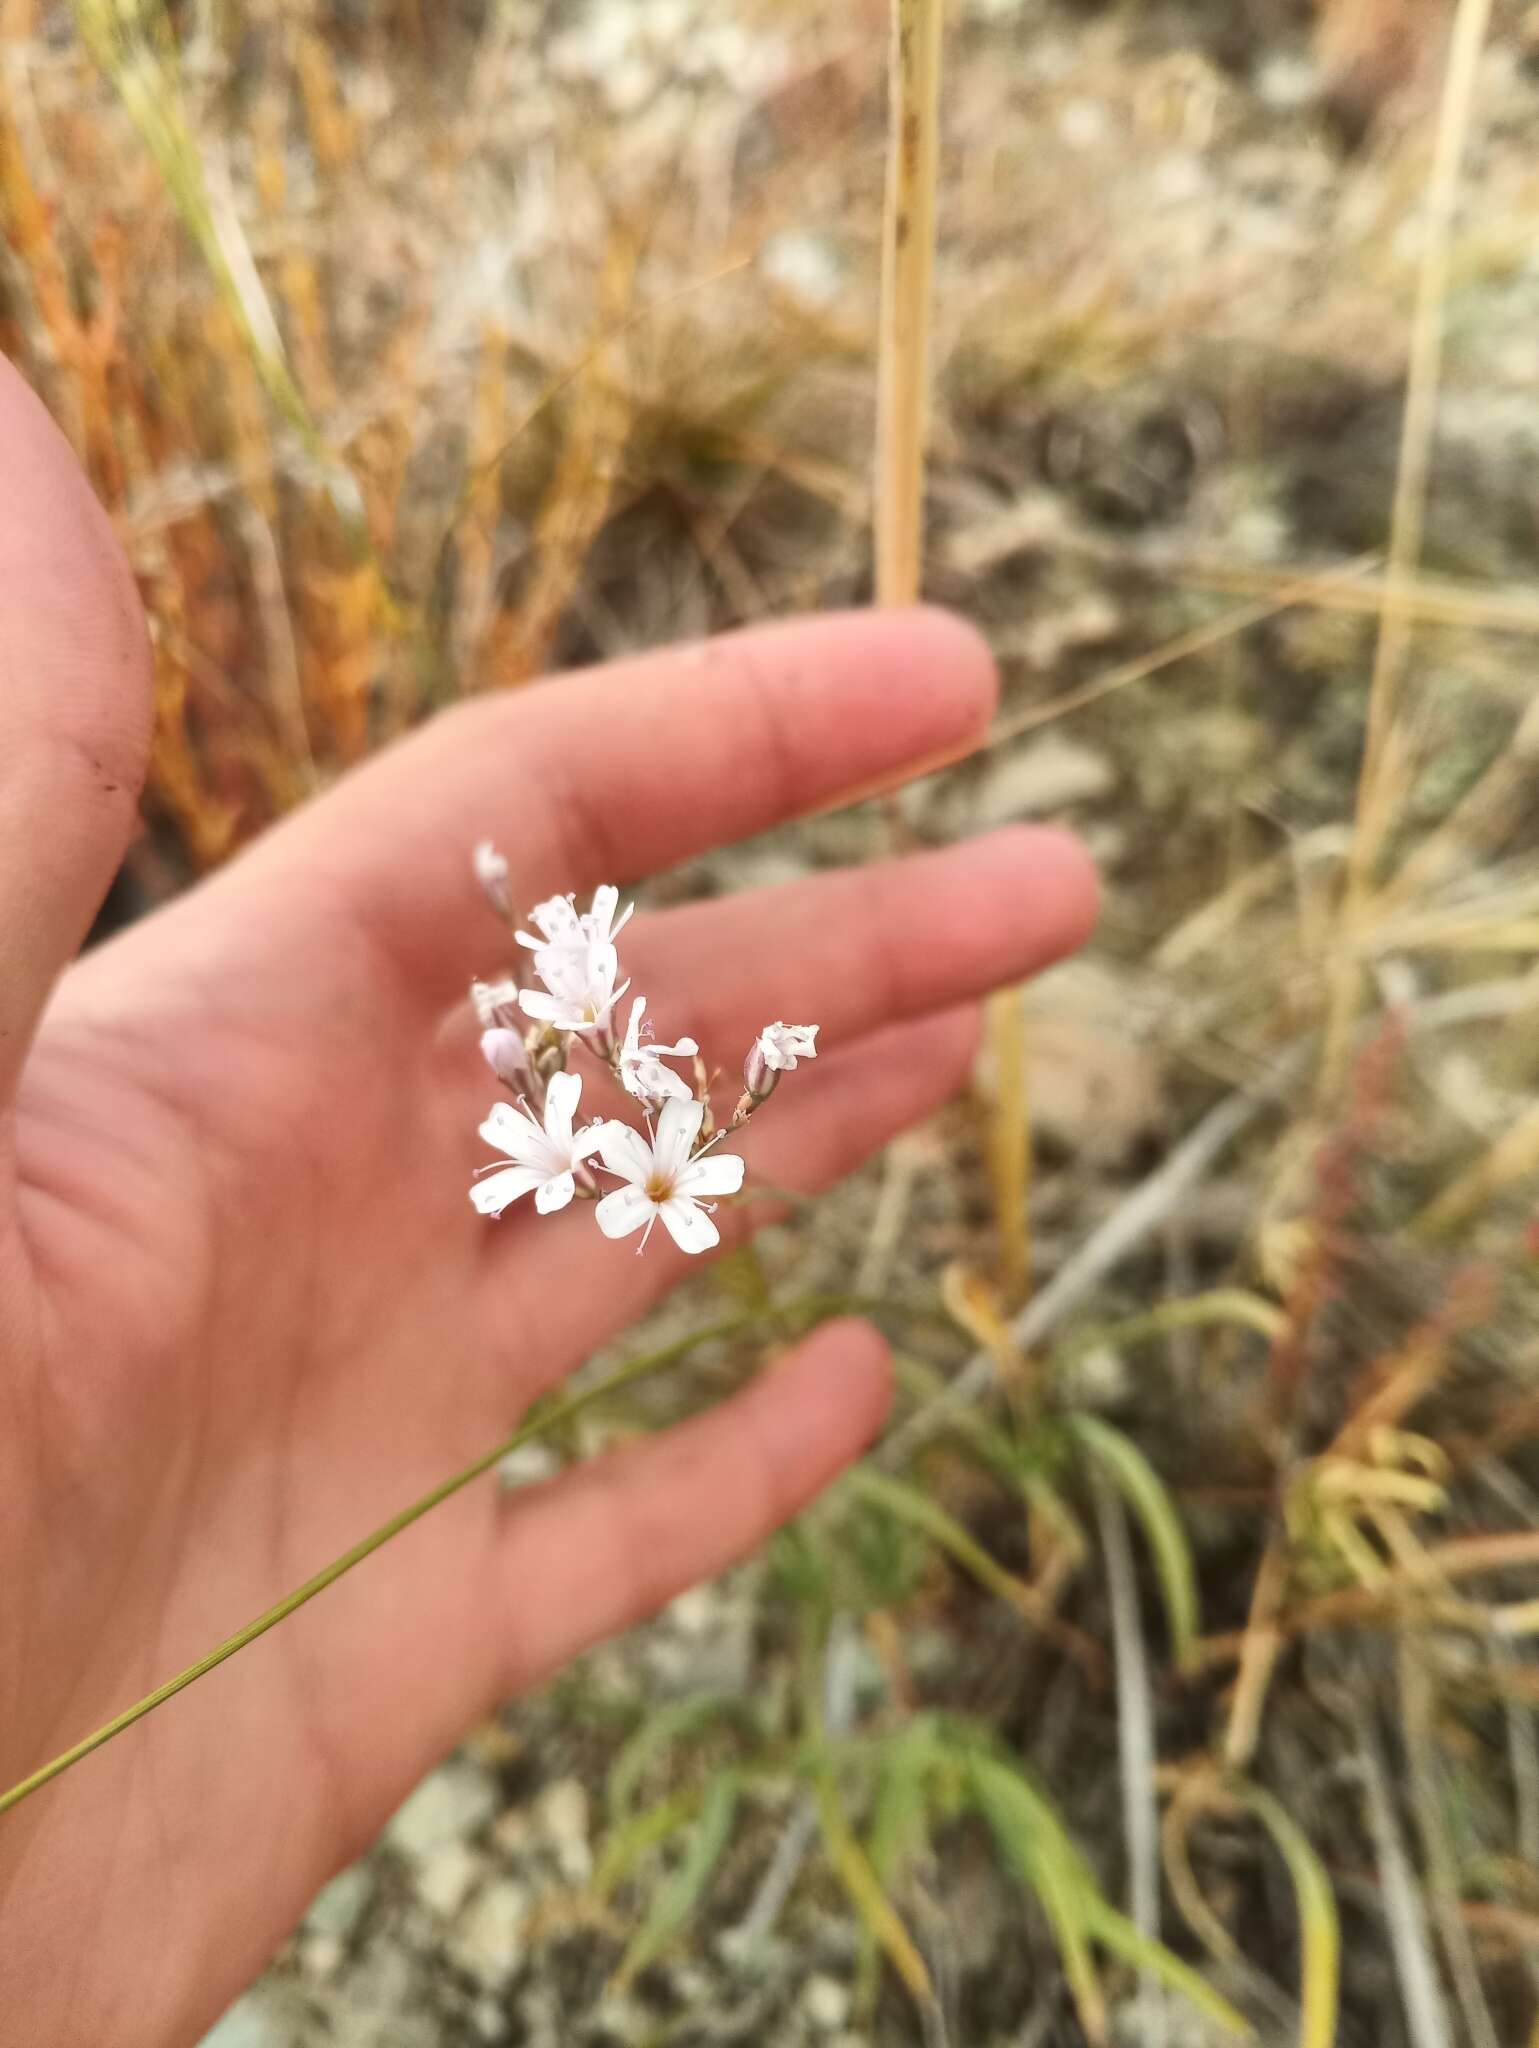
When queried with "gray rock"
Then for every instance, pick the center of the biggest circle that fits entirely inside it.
(338, 1909)
(445, 1876)
(809, 266)
(454, 1802)
(565, 1821)
(1035, 780)
(383, 1980)
(321, 1955)
(489, 1941)
(826, 2002)
(250, 2023)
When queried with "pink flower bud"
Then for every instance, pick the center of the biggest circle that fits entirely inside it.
(759, 1077)
(505, 1054)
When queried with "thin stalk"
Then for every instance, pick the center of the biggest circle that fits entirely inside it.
(1382, 764)
(908, 250)
(553, 1419)
(1009, 1145)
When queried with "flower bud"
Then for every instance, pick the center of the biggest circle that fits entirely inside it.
(496, 1004)
(492, 873)
(505, 1053)
(759, 1077)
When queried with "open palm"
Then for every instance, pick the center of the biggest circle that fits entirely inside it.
(246, 1310)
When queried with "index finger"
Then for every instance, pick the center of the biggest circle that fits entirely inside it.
(607, 775)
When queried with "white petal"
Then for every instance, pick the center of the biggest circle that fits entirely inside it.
(493, 1194)
(548, 1009)
(633, 1027)
(561, 1096)
(625, 1152)
(718, 1173)
(606, 901)
(511, 1131)
(587, 1141)
(623, 1211)
(666, 1084)
(688, 1225)
(677, 1129)
(556, 917)
(554, 1193)
(782, 1045)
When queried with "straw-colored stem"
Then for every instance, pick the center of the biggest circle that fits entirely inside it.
(1376, 794)
(552, 1421)
(1009, 1146)
(913, 156)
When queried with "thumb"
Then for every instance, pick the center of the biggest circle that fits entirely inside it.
(75, 710)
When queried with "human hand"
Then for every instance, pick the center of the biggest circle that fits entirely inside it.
(246, 1310)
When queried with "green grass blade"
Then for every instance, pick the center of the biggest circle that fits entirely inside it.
(683, 1890)
(1115, 1932)
(1149, 1499)
(668, 1724)
(878, 1916)
(908, 1505)
(1319, 1923)
(1037, 1850)
(641, 1833)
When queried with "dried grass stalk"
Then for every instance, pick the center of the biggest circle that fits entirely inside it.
(908, 251)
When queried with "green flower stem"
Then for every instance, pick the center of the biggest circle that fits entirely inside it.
(544, 1424)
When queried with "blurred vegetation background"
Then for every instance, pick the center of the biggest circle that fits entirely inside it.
(1171, 1665)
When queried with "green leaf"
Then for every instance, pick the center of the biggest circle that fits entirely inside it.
(878, 1916)
(905, 1503)
(682, 1891)
(644, 1831)
(901, 1806)
(1149, 1498)
(1114, 1931)
(668, 1724)
(1319, 1923)
(1036, 1847)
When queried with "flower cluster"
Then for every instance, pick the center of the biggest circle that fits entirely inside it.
(670, 1169)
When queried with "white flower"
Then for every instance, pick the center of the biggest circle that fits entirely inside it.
(662, 1179)
(642, 1072)
(782, 1045)
(544, 1159)
(580, 981)
(492, 873)
(600, 923)
(575, 957)
(557, 922)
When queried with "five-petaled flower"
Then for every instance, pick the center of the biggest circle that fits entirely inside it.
(781, 1045)
(545, 1160)
(575, 957)
(663, 1180)
(642, 1072)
